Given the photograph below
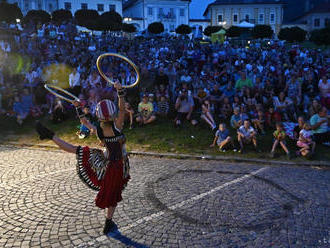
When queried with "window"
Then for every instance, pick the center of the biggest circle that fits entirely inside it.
(272, 18)
(182, 12)
(84, 6)
(235, 18)
(316, 22)
(247, 18)
(50, 7)
(171, 12)
(112, 7)
(172, 29)
(67, 5)
(161, 11)
(100, 7)
(261, 18)
(326, 22)
(149, 11)
(220, 18)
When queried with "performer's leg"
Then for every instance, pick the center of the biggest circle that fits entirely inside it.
(109, 224)
(110, 212)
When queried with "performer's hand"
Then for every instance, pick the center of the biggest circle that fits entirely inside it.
(44, 132)
(76, 103)
(212, 145)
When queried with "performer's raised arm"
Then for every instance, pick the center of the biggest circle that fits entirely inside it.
(121, 104)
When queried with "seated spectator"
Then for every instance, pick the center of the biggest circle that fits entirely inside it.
(207, 115)
(146, 111)
(162, 91)
(58, 112)
(272, 117)
(154, 103)
(243, 81)
(246, 135)
(20, 112)
(259, 121)
(222, 138)
(184, 106)
(163, 107)
(226, 109)
(279, 138)
(235, 120)
(284, 106)
(305, 141)
(319, 123)
(83, 130)
(314, 108)
(129, 114)
(299, 127)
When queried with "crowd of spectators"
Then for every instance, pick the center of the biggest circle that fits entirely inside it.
(254, 87)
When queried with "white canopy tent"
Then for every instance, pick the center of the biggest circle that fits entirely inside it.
(245, 24)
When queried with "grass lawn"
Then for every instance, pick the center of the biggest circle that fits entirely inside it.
(161, 136)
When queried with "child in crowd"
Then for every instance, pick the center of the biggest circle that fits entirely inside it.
(83, 130)
(226, 109)
(163, 106)
(207, 115)
(129, 114)
(259, 121)
(307, 146)
(279, 138)
(222, 138)
(235, 120)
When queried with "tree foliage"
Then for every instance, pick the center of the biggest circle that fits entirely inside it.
(183, 29)
(294, 34)
(128, 28)
(234, 31)
(9, 12)
(262, 31)
(156, 28)
(37, 16)
(61, 15)
(109, 21)
(321, 36)
(211, 29)
(85, 17)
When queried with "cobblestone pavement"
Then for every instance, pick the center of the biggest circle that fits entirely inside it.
(168, 203)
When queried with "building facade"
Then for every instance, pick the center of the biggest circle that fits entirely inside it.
(171, 13)
(72, 5)
(229, 13)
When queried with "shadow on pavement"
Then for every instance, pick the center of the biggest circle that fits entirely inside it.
(125, 240)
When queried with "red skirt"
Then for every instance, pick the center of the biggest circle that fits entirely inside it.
(108, 177)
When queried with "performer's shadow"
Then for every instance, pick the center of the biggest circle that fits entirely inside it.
(125, 240)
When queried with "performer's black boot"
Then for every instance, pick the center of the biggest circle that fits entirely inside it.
(44, 132)
(109, 226)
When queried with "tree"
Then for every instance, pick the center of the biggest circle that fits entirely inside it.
(84, 17)
(61, 15)
(234, 31)
(262, 31)
(321, 36)
(110, 21)
(128, 28)
(37, 16)
(211, 29)
(9, 12)
(294, 34)
(156, 28)
(183, 29)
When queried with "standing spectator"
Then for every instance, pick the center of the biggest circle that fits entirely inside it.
(222, 138)
(279, 138)
(74, 82)
(246, 135)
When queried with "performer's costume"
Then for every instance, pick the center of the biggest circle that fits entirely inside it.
(107, 173)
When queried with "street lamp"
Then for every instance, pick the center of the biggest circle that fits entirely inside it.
(18, 21)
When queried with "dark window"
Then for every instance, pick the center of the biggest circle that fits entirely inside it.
(272, 18)
(100, 7)
(220, 18)
(247, 18)
(182, 12)
(316, 22)
(327, 22)
(67, 5)
(84, 6)
(149, 11)
(50, 7)
(112, 7)
(235, 18)
(161, 11)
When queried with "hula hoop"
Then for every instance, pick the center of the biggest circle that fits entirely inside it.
(51, 87)
(98, 61)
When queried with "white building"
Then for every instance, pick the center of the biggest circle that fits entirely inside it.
(100, 5)
(171, 13)
(229, 13)
(72, 5)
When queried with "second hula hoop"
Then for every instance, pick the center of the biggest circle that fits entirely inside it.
(98, 62)
(52, 88)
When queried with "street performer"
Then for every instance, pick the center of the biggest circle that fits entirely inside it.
(107, 172)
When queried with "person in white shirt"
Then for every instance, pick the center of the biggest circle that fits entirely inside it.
(74, 82)
(246, 134)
